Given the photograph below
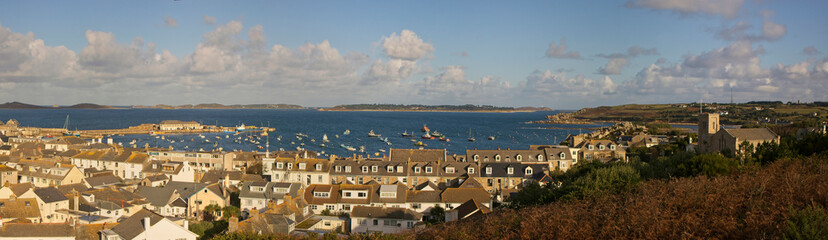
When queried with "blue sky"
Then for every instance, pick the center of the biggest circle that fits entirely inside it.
(323, 53)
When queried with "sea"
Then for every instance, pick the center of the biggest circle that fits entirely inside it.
(509, 130)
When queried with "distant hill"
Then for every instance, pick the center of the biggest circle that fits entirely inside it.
(20, 105)
(426, 108)
(221, 106)
(88, 106)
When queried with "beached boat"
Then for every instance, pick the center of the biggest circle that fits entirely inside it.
(419, 144)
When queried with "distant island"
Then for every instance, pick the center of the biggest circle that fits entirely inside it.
(221, 106)
(19, 105)
(431, 108)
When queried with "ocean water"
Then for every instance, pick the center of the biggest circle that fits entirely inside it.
(510, 130)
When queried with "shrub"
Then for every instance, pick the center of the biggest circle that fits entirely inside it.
(808, 223)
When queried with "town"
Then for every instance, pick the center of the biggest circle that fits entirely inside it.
(93, 189)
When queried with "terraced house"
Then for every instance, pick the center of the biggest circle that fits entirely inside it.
(306, 171)
(44, 173)
(124, 164)
(200, 161)
(360, 171)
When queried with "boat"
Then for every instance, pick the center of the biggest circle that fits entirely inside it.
(444, 139)
(349, 148)
(491, 137)
(66, 127)
(406, 134)
(382, 150)
(323, 145)
(471, 139)
(325, 138)
(301, 135)
(425, 129)
(419, 144)
(347, 132)
(427, 136)
(372, 134)
(362, 149)
(436, 134)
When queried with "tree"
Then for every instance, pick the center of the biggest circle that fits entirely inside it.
(256, 168)
(436, 215)
(211, 211)
(230, 211)
(531, 194)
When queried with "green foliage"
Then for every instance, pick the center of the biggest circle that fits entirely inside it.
(708, 165)
(211, 211)
(436, 215)
(208, 229)
(230, 211)
(808, 223)
(326, 212)
(616, 178)
(234, 199)
(532, 194)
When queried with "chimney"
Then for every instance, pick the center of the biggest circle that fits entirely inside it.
(76, 197)
(233, 224)
(226, 180)
(254, 213)
(186, 224)
(146, 223)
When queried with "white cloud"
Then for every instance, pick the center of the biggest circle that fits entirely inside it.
(406, 46)
(560, 51)
(25, 58)
(170, 22)
(620, 60)
(209, 19)
(451, 87)
(556, 84)
(725, 8)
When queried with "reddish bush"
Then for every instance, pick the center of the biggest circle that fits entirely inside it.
(750, 204)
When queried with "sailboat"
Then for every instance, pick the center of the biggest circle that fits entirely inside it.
(471, 139)
(66, 126)
(325, 138)
(425, 129)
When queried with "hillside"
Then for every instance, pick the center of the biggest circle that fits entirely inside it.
(751, 204)
(221, 106)
(19, 105)
(89, 106)
(429, 108)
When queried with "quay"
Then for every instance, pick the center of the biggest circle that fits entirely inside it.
(165, 127)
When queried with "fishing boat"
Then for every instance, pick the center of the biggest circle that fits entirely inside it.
(427, 136)
(406, 134)
(425, 129)
(372, 134)
(436, 134)
(347, 132)
(323, 145)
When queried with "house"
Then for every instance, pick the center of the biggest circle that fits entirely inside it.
(601, 150)
(229, 177)
(41, 231)
(115, 202)
(50, 200)
(44, 173)
(145, 225)
(256, 195)
(423, 201)
(275, 218)
(124, 164)
(496, 176)
(65, 143)
(102, 180)
(14, 208)
(171, 125)
(714, 138)
(384, 220)
(175, 171)
(5, 150)
(320, 223)
(20, 190)
(157, 180)
(453, 197)
(468, 209)
(7, 175)
(198, 196)
(201, 161)
(164, 201)
(306, 171)
(359, 171)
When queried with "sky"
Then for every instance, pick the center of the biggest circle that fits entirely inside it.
(558, 54)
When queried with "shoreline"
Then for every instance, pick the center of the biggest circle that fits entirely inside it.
(408, 110)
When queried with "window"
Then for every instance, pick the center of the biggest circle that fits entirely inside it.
(321, 194)
(330, 207)
(302, 166)
(563, 155)
(290, 166)
(475, 157)
(518, 158)
(591, 147)
(416, 169)
(471, 170)
(612, 147)
(563, 164)
(449, 169)
(497, 157)
(415, 206)
(347, 194)
(390, 222)
(540, 157)
(318, 167)
(374, 168)
(347, 168)
(362, 194)
(601, 147)
(488, 170)
(510, 170)
(389, 168)
(528, 171)
(410, 224)
(338, 168)
(428, 169)
(346, 207)
(376, 222)
(399, 169)
(365, 169)
(313, 207)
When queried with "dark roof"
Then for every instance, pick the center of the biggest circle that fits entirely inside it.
(6, 147)
(102, 180)
(461, 195)
(269, 191)
(382, 212)
(157, 177)
(418, 155)
(178, 203)
(36, 230)
(70, 140)
(130, 228)
(470, 208)
(423, 196)
(501, 170)
(18, 208)
(747, 134)
(157, 196)
(186, 189)
(50, 194)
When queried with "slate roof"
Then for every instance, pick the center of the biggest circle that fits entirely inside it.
(461, 195)
(133, 226)
(157, 196)
(501, 169)
(50, 194)
(471, 208)
(506, 155)
(21, 188)
(157, 177)
(423, 196)
(70, 140)
(36, 230)
(186, 189)
(17, 208)
(103, 180)
(269, 191)
(418, 155)
(748, 134)
(386, 213)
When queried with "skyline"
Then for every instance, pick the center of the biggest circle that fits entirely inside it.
(560, 55)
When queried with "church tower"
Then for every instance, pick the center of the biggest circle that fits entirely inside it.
(708, 125)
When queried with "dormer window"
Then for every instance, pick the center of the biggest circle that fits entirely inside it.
(321, 194)
(475, 157)
(449, 169)
(374, 168)
(510, 170)
(280, 165)
(428, 169)
(389, 169)
(399, 169)
(338, 168)
(497, 157)
(591, 147)
(540, 158)
(612, 147)
(563, 155)
(528, 171)
(471, 170)
(488, 170)
(365, 169)
(601, 147)
(290, 166)
(347, 168)
(416, 169)
(318, 167)
(518, 158)
(302, 166)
